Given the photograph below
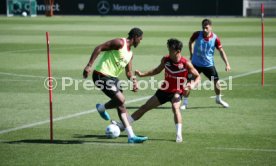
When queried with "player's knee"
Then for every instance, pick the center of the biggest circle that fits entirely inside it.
(121, 101)
(176, 98)
(122, 109)
(217, 84)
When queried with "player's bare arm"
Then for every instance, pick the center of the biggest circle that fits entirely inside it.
(192, 42)
(114, 44)
(224, 58)
(191, 48)
(129, 74)
(196, 75)
(152, 72)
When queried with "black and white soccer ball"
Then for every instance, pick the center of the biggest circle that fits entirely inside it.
(112, 131)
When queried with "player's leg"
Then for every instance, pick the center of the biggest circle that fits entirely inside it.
(185, 100)
(117, 100)
(123, 115)
(110, 86)
(218, 95)
(153, 102)
(159, 98)
(101, 82)
(216, 87)
(176, 102)
(212, 74)
(187, 92)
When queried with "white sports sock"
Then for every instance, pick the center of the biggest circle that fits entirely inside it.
(101, 108)
(130, 132)
(218, 97)
(130, 119)
(178, 127)
(185, 101)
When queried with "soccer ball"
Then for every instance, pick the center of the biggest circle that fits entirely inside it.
(24, 14)
(112, 131)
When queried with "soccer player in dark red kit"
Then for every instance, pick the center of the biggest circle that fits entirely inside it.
(176, 71)
(202, 47)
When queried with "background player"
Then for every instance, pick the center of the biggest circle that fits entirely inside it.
(202, 46)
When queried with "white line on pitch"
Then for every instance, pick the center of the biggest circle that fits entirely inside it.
(246, 74)
(3, 140)
(41, 49)
(64, 117)
(247, 84)
(21, 75)
(14, 80)
(249, 73)
(241, 149)
(90, 111)
(226, 78)
(30, 76)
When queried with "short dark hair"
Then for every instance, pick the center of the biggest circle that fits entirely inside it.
(206, 22)
(174, 44)
(135, 32)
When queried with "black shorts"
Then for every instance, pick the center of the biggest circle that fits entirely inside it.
(164, 97)
(109, 85)
(210, 72)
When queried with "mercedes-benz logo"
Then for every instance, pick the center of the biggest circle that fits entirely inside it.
(103, 7)
(81, 6)
(175, 6)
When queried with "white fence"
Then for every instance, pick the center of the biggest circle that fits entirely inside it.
(253, 7)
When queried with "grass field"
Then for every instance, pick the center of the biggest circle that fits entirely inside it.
(244, 134)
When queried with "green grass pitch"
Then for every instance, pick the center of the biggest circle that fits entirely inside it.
(244, 134)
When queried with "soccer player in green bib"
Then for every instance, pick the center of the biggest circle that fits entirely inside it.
(117, 56)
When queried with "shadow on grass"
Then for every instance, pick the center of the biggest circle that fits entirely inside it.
(45, 141)
(67, 142)
(162, 140)
(102, 140)
(94, 136)
(161, 108)
(169, 108)
(203, 107)
(121, 136)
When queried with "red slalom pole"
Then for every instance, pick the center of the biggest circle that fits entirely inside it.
(50, 85)
(262, 10)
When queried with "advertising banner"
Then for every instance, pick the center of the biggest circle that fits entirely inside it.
(144, 7)
(141, 7)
